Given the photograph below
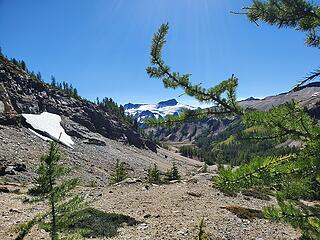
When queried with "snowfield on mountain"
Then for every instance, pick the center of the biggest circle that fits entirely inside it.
(142, 112)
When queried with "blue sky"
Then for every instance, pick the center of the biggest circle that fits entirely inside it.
(102, 46)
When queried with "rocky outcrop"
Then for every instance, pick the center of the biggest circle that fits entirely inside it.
(19, 93)
(7, 113)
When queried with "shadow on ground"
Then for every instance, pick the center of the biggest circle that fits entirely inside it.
(92, 223)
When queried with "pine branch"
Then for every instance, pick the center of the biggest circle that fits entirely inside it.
(175, 79)
(26, 227)
(298, 14)
(312, 76)
(270, 163)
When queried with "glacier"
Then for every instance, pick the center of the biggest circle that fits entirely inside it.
(142, 112)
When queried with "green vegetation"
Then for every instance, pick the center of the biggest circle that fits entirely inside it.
(235, 145)
(226, 105)
(301, 15)
(109, 105)
(49, 187)
(189, 151)
(67, 215)
(35, 76)
(163, 145)
(202, 235)
(153, 175)
(173, 173)
(293, 176)
(119, 173)
(92, 183)
(204, 168)
(64, 87)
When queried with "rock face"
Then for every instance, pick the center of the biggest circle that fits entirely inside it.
(19, 94)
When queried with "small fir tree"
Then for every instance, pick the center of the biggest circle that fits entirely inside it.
(15, 62)
(135, 125)
(173, 173)
(53, 81)
(119, 173)
(75, 93)
(23, 65)
(50, 187)
(39, 77)
(154, 175)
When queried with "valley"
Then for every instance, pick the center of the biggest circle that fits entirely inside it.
(94, 140)
(100, 150)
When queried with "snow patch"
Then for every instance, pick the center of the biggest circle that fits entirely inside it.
(49, 124)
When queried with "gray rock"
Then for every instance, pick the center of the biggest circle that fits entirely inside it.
(128, 181)
(2, 107)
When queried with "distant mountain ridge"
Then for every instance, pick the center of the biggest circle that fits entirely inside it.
(308, 96)
(142, 112)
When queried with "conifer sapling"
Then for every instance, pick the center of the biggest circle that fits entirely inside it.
(52, 187)
(120, 173)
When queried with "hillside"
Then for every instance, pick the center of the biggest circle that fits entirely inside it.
(308, 97)
(100, 137)
(20, 93)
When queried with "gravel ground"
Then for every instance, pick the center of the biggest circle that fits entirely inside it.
(166, 212)
(174, 213)
(92, 163)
